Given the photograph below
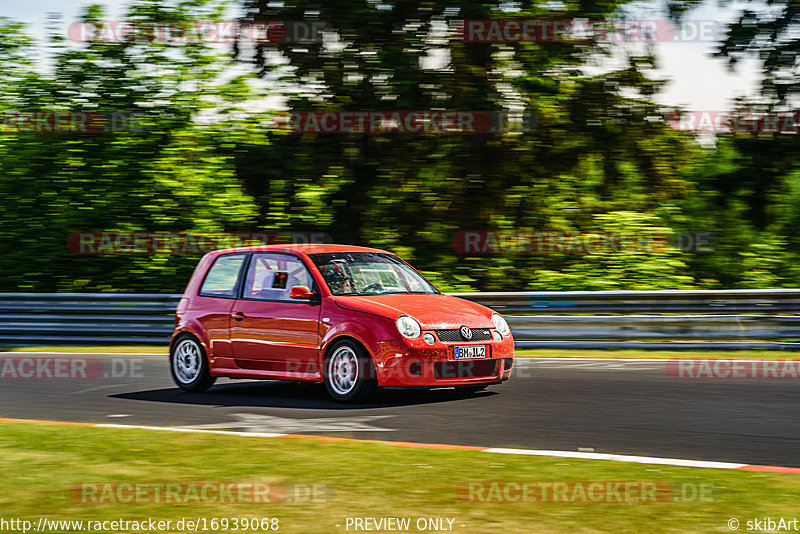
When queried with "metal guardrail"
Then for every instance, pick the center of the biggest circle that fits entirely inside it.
(726, 301)
(727, 319)
(86, 318)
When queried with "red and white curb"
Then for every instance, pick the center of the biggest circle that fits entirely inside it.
(650, 460)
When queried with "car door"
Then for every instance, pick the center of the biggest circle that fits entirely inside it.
(211, 308)
(269, 330)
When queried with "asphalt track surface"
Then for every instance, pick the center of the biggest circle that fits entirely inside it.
(613, 406)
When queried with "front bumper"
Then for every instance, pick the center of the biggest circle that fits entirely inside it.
(413, 363)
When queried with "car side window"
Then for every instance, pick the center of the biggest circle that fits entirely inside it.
(271, 276)
(223, 277)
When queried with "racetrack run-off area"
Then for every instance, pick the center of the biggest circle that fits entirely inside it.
(631, 407)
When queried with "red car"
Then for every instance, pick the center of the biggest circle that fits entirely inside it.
(354, 318)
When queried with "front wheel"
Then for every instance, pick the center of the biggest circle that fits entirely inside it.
(189, 365)
(350, 373)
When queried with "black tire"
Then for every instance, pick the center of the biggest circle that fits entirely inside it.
(348, 372)
(189, 366)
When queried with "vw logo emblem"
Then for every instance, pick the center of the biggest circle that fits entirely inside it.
(466, 333)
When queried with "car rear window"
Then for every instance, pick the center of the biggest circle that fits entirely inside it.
(223, 277)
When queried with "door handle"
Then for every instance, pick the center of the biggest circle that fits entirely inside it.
(238, 316)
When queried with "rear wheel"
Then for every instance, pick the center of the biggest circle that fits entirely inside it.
(189, 365)
(349, 373)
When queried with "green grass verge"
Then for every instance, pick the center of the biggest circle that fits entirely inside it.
(41, 462)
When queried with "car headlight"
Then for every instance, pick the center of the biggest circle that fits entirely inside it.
(408, 327)
(501, 324)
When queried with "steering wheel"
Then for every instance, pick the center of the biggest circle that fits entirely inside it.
(378, 287)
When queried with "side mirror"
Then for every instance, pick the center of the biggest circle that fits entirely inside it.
(300, 292)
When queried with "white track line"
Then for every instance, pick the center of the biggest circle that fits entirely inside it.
(525, 452)
(677, 462)
(619, 458)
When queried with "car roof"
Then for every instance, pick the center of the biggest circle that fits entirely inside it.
(304, 248)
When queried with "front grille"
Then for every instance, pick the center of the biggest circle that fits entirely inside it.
(468, 369)
(454, 334)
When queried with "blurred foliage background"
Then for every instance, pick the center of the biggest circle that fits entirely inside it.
(207, 156)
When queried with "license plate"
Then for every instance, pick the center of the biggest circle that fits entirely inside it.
(470, 352)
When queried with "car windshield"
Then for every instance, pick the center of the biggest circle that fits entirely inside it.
(367, 273)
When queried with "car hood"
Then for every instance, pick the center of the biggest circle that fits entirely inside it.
(432, 311)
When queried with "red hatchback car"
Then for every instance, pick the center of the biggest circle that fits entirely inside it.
(354, 318)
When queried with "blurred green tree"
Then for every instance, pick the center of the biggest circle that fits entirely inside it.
(155, 170)
(747, 185)
(598, 144)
